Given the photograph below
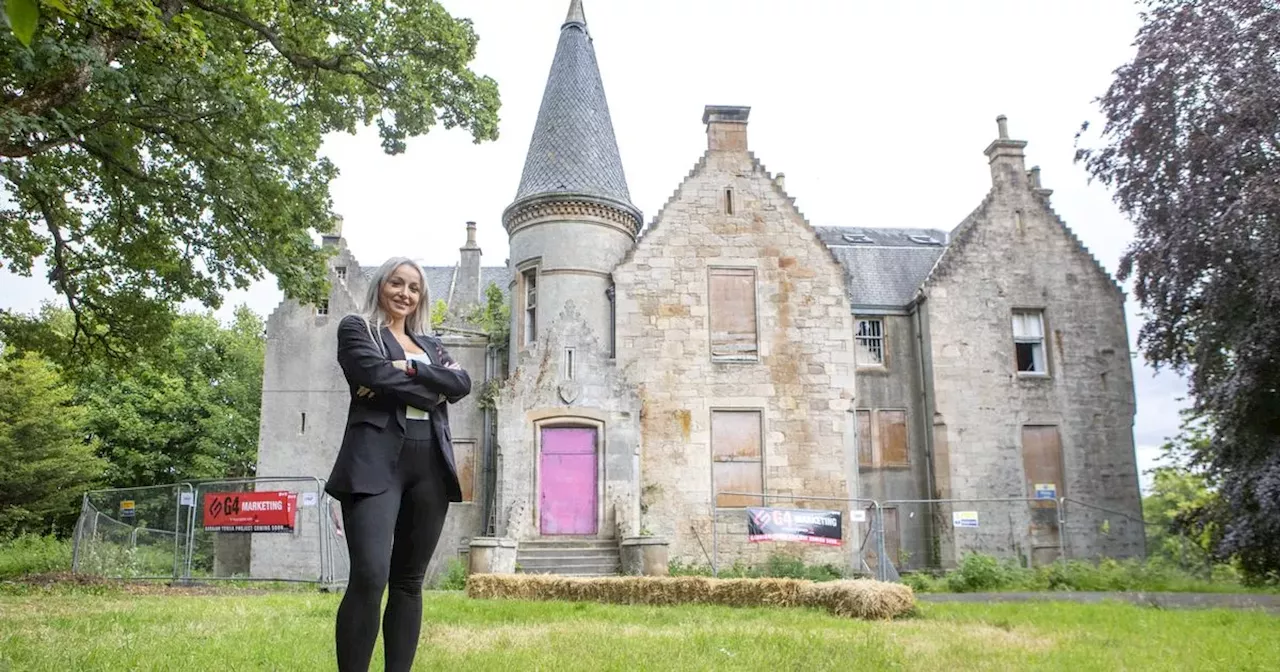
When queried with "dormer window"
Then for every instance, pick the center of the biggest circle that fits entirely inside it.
(859, 238)
(924, 240)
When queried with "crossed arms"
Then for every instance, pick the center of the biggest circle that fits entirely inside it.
(365, 365)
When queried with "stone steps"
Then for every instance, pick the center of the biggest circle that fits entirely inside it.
(569, 557)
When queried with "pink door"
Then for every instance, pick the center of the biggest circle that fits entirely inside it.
(567, 501)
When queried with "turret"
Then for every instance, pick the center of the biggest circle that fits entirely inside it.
(572, 219)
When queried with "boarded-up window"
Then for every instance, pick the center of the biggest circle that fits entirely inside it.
(864, 438)
(1042, 463)
(736, 466)
(733, 314)
(464, 457)
(893, 438)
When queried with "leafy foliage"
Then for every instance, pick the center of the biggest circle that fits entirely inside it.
(45, 462)
(1192, 152)
(1180, 496)
(494, 318)
(160, 151)
(186, 407)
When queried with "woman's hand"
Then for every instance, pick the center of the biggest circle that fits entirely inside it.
(400, 364)
(453, 365)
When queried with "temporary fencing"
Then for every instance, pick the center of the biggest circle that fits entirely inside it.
(863, 517)
(933, 533)
(282, 528)
(132, 533)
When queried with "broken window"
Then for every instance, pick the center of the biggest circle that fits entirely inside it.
(341, 272)
(322, 308)
(733, 314)
(870, 343)
(1028, 341)
(736, 464)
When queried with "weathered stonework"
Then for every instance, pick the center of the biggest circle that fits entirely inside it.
(540, 394)
(1014, 252)
(803, 381)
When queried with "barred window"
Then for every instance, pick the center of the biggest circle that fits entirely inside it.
(870, 342)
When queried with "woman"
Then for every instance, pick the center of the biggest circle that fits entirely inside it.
(395, 473)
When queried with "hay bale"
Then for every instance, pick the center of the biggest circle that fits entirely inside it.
(859, 598)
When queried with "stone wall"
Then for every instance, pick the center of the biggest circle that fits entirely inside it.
(539, 393)
(1014, 252)
(804, 379)
(897, 386)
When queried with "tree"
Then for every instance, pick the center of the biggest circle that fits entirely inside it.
(158, 151)
(46, 461)
(184, 408)
(1182, 503)
(1191, 150)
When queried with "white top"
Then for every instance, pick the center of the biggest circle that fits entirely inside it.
(410, 412)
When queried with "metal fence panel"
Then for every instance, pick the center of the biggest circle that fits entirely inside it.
(861, 518)
(133, 533)
(216, 553)
(1025, 530)
(1094, 532)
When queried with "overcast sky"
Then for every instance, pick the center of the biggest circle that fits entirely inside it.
(877, 112)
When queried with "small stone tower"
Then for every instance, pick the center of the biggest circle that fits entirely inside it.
(572, 220)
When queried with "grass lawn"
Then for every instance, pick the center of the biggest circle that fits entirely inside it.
(114, 630)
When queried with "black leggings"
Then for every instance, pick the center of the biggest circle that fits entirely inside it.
(390, 539)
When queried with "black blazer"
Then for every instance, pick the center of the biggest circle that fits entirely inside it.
(376, 416)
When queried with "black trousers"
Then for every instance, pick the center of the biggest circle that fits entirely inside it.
(390, 539)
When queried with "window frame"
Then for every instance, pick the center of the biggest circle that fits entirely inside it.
(528, 315)
(883, 339)
(1042, 342)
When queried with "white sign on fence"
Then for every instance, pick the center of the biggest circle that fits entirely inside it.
(187, 499)
(310, 498)
(964, 519)
(858, 516)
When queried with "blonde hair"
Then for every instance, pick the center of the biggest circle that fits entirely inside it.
(418, 322)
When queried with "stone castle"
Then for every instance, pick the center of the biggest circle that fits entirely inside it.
(659, 379)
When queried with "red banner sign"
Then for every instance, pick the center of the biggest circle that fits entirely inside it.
(250, 511)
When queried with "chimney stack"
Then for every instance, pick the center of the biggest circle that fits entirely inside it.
(1008, 164)
(726, 127)
(467, 285)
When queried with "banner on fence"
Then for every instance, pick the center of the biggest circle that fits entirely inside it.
(274, 511)
(964, 519)
(809, 526)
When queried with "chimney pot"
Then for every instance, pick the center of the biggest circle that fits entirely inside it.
(782, 181)
(726, 127)
(1002, 123)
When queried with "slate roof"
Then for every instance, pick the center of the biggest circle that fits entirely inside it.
(883, 266)
(573, 150)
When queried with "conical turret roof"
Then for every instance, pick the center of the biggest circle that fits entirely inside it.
(574, 151)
